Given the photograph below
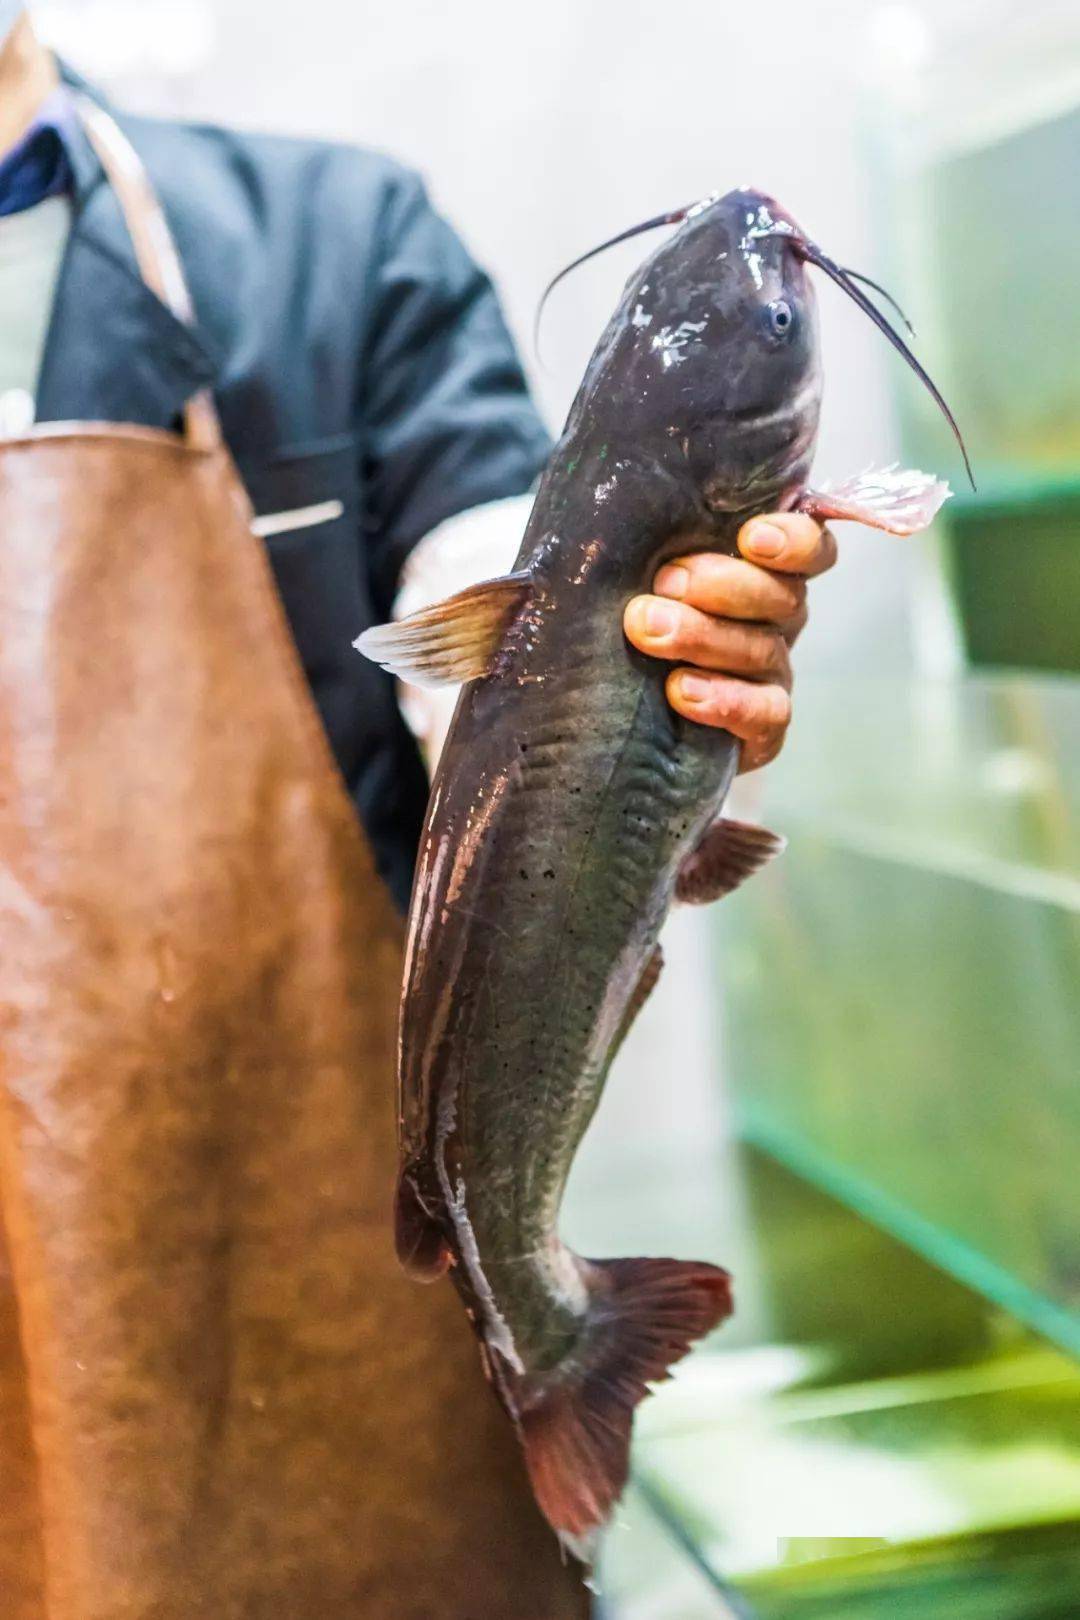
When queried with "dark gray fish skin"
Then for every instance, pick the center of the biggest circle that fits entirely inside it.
(569, 792)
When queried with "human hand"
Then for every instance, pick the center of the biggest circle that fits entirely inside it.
(728, 624)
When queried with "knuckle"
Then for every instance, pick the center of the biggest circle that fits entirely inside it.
(735, 704)
(715, 717)
(786, 602)
(705, 639)
(685, 638)
(768, 712)
(762, 746)
(767, 652)
(751, 592)
(764, 755)
(824, 553)
(780, 708)
(712, 585)
(701, 639)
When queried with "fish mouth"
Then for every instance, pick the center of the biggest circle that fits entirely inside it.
(776, 484)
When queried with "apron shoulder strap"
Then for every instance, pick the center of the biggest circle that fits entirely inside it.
(155, 249)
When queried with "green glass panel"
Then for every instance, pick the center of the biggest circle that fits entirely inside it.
(1015, 575)
(922, 939)
(992, 226)
(815, 1475)
(983, 230)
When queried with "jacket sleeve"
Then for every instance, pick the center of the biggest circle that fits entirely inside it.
(448, 422)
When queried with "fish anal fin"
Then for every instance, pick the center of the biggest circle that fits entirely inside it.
(452, 641)
(640, 994)
(898, 500)
(729, 853)
(421, 1245)
(575, 1423)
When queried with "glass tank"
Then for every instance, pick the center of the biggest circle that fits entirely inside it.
(922, 934)
(977, 132)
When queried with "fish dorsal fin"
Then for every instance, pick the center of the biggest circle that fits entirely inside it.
(452, 641)
(729, 853)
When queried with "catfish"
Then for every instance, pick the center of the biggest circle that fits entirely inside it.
(572, 805)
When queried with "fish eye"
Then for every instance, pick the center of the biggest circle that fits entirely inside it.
(781, 318)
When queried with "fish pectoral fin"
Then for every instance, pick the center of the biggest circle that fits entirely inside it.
(899, 500)
(729, 853)
(453, 641)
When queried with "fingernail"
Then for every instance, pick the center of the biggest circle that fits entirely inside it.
(659, 620)
(693, 688)
(672, 580)
(765, 539)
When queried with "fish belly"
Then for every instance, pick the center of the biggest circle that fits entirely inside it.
(557, 874)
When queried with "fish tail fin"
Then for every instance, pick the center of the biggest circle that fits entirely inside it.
(576, 1421)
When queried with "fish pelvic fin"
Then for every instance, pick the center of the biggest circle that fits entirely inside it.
(422, 1249)
(575, 1422)
(453, 641)
(728, 854)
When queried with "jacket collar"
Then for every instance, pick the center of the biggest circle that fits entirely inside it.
(114, 351)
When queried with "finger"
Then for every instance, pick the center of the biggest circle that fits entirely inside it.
(789, 542)
(682, 634)
(758, 715)
(793, 629)
(731, 588)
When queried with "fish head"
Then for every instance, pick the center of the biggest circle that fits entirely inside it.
(737, 262)
(714, 347)
(718, 350)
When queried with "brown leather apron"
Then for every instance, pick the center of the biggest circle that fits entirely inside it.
(218, 1397)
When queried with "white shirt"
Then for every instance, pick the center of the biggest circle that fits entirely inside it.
(31, 251)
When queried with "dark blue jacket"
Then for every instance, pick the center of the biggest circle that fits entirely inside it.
(356, 353)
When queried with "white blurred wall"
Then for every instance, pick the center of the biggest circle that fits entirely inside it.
(543, 128)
